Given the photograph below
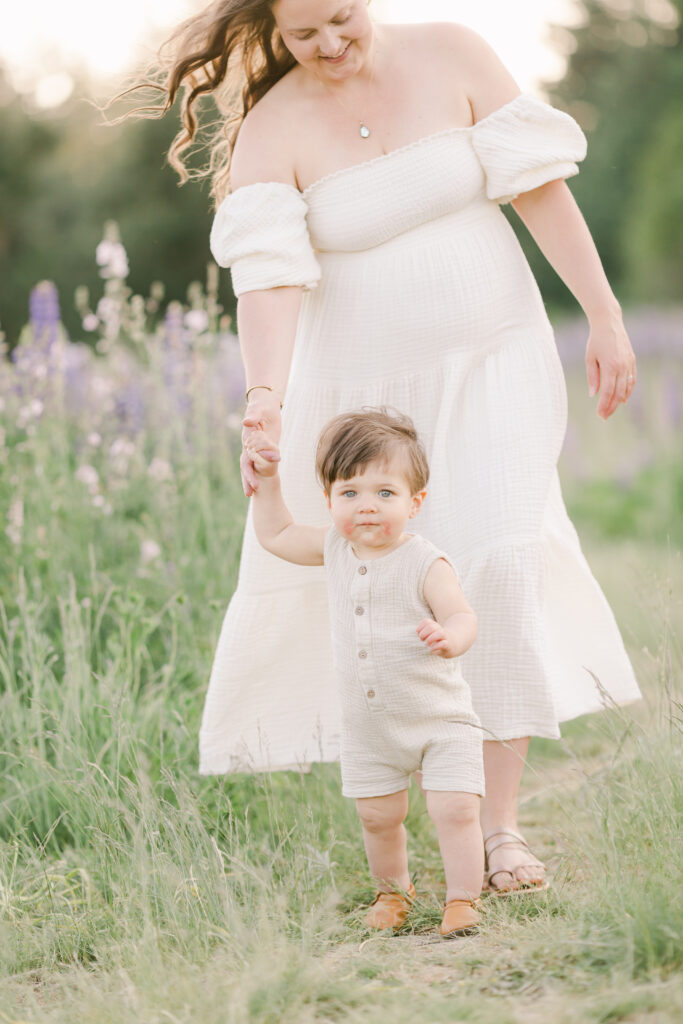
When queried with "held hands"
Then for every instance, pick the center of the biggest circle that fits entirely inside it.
(610, 364)
(262, 417)
(263, 454)
(437, 639)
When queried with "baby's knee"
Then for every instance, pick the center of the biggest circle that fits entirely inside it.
(380, 813)
(458, 809)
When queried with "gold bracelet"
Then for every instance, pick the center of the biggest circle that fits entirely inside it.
(253, 388)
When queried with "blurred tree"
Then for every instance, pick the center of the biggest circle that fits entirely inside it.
(624, 84)
(62, 175)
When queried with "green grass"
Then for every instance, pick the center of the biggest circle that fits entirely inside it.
(131, 889)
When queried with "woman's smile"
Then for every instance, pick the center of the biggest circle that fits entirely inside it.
(336, 58)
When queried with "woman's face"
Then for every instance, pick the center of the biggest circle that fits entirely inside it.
(331, 38)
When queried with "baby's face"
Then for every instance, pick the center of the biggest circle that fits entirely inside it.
(371, 509)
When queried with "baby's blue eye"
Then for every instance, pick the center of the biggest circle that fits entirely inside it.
(385, 493)
(348, 494)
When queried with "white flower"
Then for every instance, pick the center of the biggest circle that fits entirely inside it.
(197, 320)
(87, 475)
(15, 521)
(149, 551)
(160, 470)
(91, 322)
(94, 439)
(103, 252)
(36, 407)
(120, 453)
(112, 257)
(107, 309)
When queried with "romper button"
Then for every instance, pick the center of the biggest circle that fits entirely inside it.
(371, 693)
(359, 610)
(362, 569)
(362, 654)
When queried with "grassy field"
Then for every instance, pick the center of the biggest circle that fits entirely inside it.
(131, 890)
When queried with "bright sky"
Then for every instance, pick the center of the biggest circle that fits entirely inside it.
(41, 39)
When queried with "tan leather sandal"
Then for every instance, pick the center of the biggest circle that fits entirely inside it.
(460, 917)
(507, 838)
(390, 909)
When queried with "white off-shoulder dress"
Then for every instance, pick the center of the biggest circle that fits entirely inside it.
(418, 296)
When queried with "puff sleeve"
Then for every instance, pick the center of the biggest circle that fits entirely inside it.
(260, 232)
(524, 144)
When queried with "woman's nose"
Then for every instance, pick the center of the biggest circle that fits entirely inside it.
(329, 42)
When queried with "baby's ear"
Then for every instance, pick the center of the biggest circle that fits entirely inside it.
(327, 498)
(417, 500)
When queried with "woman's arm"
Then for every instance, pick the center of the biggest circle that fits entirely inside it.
(266, 320)
(558, 228)
(266, 324)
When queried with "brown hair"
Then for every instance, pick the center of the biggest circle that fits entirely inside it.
(352, 440)
(231, 51)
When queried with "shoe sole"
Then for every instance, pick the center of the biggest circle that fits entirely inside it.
(461, 932)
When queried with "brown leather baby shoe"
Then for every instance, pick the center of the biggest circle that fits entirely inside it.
(390, 909)
(460, 917)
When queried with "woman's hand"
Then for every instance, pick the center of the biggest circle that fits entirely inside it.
(262, 414)
(610, 363)
(263, 452)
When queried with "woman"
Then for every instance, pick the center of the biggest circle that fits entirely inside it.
(374, 266)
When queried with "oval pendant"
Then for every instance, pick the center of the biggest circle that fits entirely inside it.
(364, 131)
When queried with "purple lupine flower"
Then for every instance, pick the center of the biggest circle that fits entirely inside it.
(44, 314)
(130, 407)
(173, 332)
(233, 383)
(176, 366)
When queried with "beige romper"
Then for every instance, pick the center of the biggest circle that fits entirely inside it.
(404, 708)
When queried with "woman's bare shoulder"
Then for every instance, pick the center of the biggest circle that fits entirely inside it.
(263, 150)
(455, 47)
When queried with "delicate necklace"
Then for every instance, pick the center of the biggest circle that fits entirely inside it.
(363, 129)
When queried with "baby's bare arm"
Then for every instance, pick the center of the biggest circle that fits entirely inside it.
(276, 530)
(453, 629)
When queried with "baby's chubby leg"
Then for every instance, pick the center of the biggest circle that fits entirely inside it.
(384, 836)
(456, 819)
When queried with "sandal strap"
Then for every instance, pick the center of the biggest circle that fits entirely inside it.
(513, 871)
(515, 840)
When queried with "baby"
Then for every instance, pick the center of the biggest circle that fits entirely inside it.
(399, 623)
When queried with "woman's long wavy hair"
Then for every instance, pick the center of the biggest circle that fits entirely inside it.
(233, 52)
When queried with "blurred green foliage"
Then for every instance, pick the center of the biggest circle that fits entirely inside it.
(64, 173)
(623, 83)
(62, 176)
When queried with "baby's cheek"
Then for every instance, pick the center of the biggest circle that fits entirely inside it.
(347, 527)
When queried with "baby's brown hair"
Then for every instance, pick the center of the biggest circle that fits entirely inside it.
(352, 440)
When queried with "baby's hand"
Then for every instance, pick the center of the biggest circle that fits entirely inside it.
(264, 453)
(435, 638)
